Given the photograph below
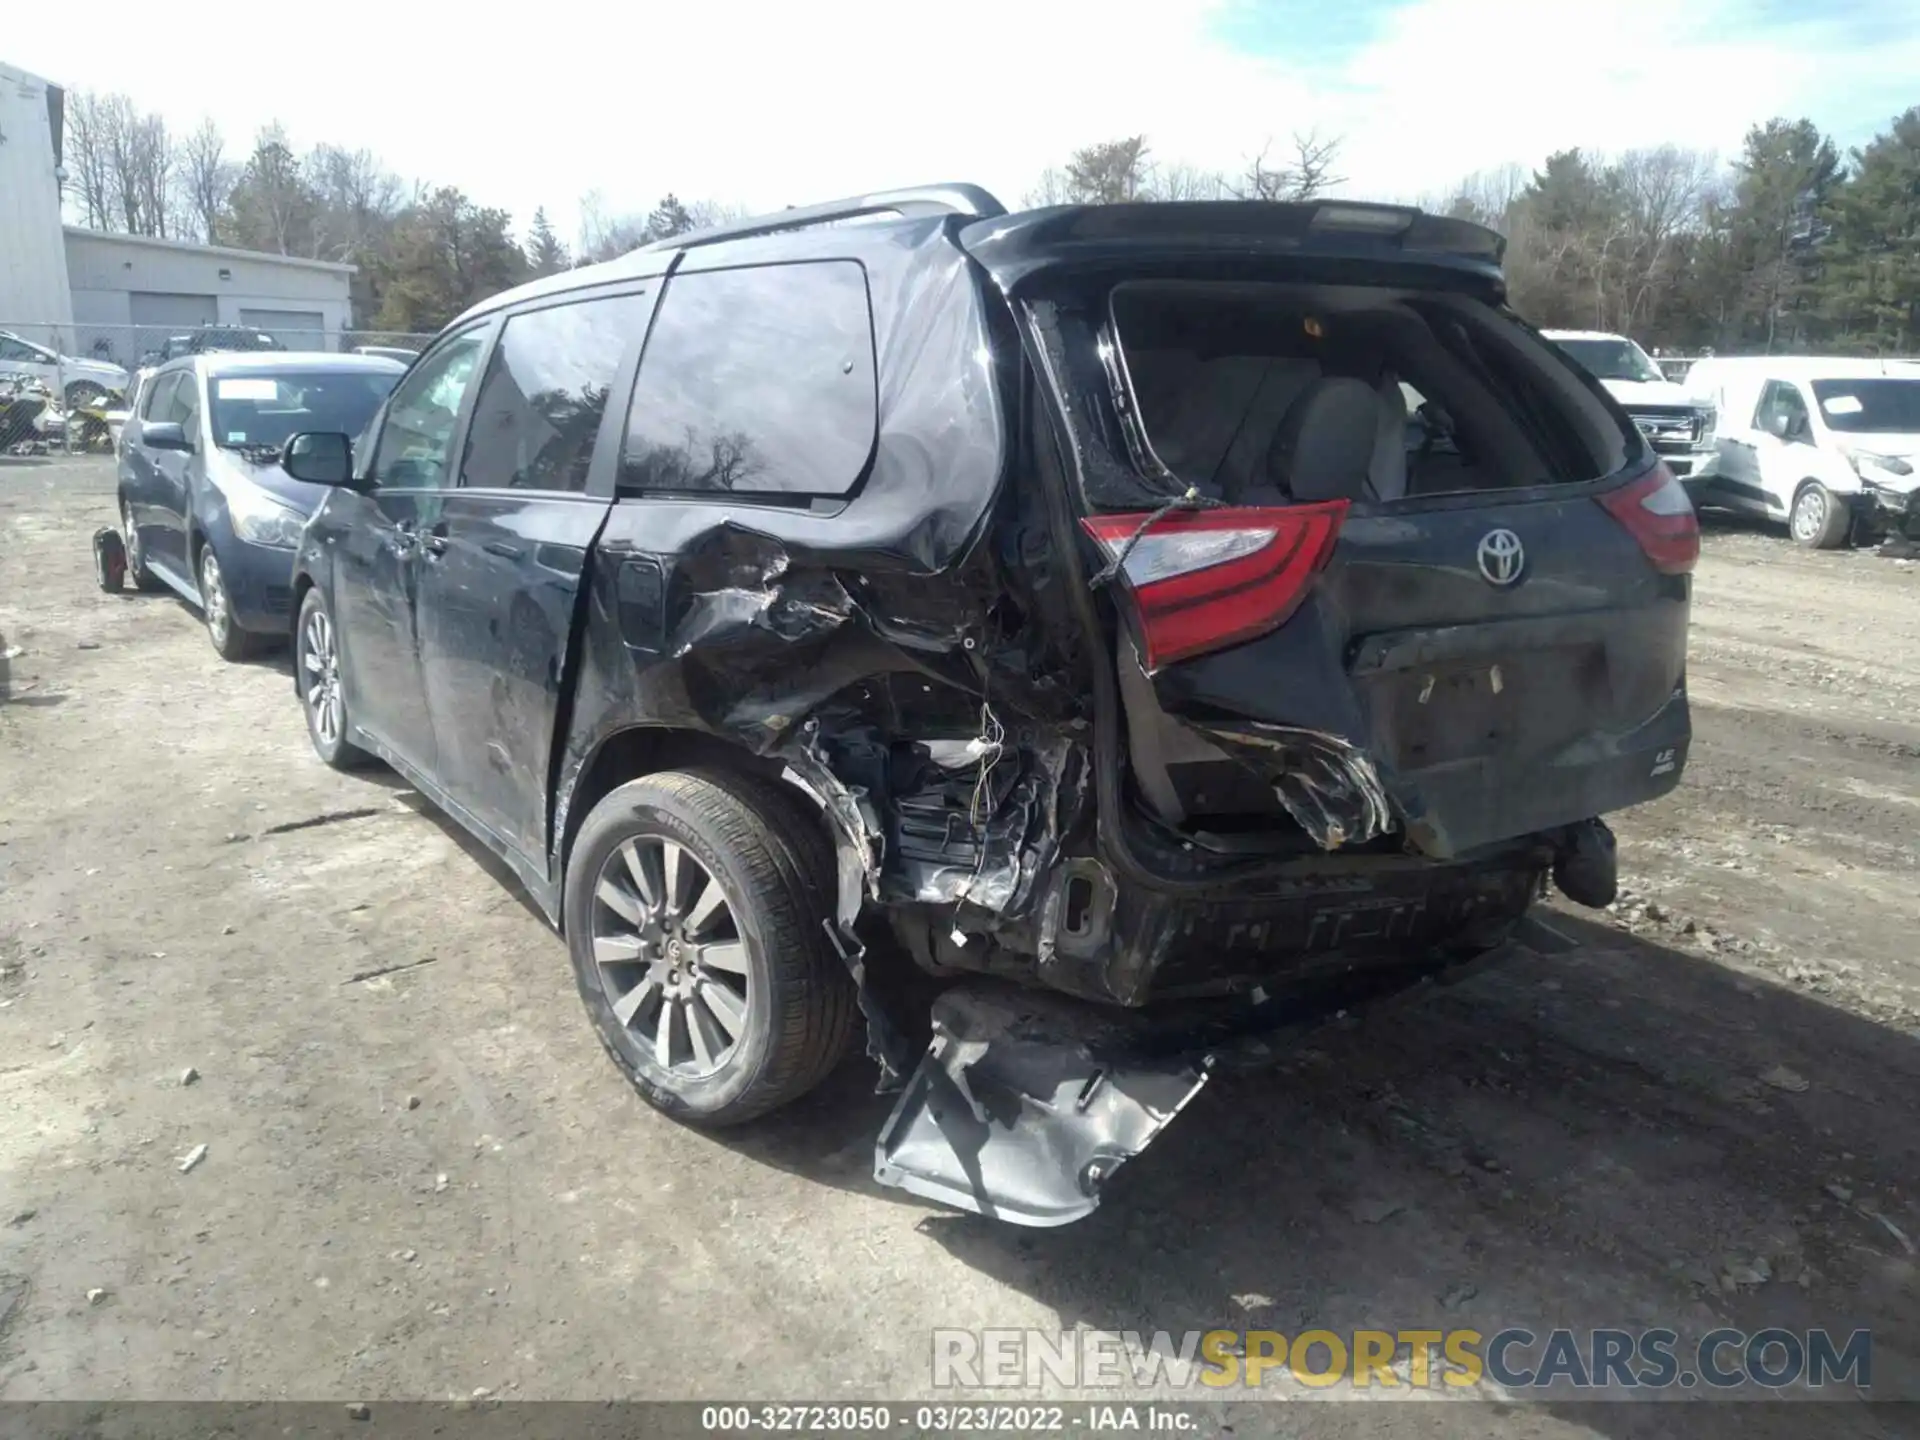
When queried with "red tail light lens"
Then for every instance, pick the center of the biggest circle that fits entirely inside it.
(1656, 509)
(1209, 579)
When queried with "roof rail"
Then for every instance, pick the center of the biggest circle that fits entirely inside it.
(955, 199)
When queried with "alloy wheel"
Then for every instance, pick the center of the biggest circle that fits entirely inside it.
(320, 662)
(130, 538)
(671, 959)
(213, 597)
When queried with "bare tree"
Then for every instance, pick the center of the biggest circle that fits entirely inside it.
(357, 200)
(604, 236)
(118, 125)
(1310, 172)
(1187, 182)
(1050, 190)
(1485, 197)
(708, 213)
(207, 177)
(154, 164)
(89, 169)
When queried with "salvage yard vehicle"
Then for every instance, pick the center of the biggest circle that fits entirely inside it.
(77, 382)
(205, 508)
(1677, 423)
(1048, 637)
(1829, 446)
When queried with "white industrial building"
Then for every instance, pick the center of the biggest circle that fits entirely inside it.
(90, 293)
(135, 290)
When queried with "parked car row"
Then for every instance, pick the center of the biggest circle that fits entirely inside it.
(1827, 446)
(1071, 644)
(205, 508)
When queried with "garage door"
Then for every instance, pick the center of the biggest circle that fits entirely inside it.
(295, 329)
(159, 315)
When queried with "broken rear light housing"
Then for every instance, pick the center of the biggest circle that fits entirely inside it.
(1657, 510)
(1205, 580)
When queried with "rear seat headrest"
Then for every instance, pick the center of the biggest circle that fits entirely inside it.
(1324, 447)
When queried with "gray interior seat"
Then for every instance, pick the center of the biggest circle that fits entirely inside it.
(1387, 475)
(1324, 448)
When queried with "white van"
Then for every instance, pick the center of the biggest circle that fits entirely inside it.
(1678, 427)
(1831, 446)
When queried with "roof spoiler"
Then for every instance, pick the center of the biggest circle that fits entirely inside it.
(1291, 222)
(970, 201)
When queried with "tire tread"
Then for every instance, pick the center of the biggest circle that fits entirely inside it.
(788, 863)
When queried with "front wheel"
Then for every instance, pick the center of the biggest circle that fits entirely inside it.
(216, 606)
(82, 393)
(316, 674)
(694, 907)
(1819, 519)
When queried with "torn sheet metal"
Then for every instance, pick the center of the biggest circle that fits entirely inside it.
(1024, 1106)
(1330, 788)
(982, 823)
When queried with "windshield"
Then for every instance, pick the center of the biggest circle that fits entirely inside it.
(1869, 407)
(263, 410)
(1612, 359)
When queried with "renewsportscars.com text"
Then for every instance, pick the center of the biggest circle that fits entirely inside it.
(1513, 1359)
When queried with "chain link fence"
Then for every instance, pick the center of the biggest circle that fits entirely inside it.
(131, 346)
(81, 374)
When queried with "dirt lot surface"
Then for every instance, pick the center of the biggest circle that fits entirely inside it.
(430, 1181)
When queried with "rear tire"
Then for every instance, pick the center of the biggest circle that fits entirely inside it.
(316, 676)
(1819, 519)
(647, 957)
(143, 578)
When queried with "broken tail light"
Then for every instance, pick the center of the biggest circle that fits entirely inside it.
(1656, 509)
(1204, 580)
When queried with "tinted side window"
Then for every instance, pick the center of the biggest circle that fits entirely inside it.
(539, 408)
(159, 398)
(184, 409)
(417, 438)
(756, 381)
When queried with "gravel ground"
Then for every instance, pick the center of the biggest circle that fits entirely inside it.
(422, 1178)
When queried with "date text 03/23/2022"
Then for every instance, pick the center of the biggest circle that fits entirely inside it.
(945, 1419)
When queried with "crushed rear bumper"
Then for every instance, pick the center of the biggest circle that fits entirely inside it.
(1026, 1103)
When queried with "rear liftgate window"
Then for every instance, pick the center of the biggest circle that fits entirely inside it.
(1283, 406)
(756, 381)
(1265, 394)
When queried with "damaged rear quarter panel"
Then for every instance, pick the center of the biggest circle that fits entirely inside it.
(732, 617)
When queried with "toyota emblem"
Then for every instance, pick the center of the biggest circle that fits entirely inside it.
(1502, 557)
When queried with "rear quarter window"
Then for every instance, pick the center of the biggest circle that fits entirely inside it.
(756, 381)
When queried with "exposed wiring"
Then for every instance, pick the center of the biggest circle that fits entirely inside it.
(1191, 499)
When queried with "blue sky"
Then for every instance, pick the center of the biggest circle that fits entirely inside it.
(766, 104)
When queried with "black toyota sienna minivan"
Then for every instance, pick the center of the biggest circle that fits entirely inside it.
(1069, 646)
